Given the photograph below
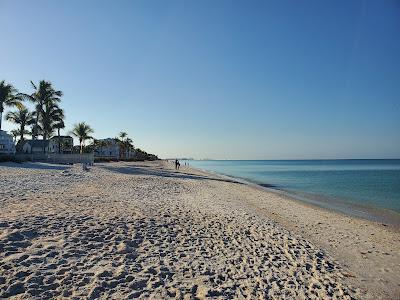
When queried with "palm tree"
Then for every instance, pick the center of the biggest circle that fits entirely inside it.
(45, 98)
(121, 141)
(125, 144)
(82, 131)
(48, 113)
(15, 134)
(8, 97)
(23, 118)
(51, 116)
(128, 146)
(59, 125)
(123, 135)
(98, 145)
(66, 144)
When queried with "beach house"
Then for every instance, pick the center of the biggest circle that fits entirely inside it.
(62, 144)
(35, 146)
(107, 148)
(7, 145)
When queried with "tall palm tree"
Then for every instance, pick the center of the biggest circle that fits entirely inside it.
(51, 116)
(23, 117)
(121, 141)
(44, 95)
(125, 144)
(8, 97)
(123, 135)
(128, 146)
(82, 131)
(59, 125)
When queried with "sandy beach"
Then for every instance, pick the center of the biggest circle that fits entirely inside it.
(143, 230)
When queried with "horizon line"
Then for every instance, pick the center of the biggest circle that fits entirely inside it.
(218, 159)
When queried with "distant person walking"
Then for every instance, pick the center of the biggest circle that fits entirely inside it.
(177, 164)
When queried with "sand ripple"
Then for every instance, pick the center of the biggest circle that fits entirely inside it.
(104, 234)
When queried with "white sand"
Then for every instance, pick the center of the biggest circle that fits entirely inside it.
(127, 230)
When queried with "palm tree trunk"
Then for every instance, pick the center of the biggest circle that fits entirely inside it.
(81, 146)
(44, 142)
(35, 134)
(22, 132)
(59, 141)
(1, 117)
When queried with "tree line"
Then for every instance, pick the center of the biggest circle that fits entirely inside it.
(48, 117)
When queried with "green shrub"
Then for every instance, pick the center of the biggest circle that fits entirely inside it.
(9, 158)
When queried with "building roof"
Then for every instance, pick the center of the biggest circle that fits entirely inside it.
(62, 137)
(109, 141)
(37, 143)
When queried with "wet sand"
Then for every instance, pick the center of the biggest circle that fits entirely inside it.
(143, 230)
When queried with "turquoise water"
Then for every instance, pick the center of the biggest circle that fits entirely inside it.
(364, 183)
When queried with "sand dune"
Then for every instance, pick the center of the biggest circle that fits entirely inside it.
(125, 230)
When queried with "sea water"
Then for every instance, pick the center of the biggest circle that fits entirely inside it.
(355, 186)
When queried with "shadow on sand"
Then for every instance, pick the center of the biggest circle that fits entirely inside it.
(36, 165)
(162, 173)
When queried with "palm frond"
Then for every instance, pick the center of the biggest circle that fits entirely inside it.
(33, 85)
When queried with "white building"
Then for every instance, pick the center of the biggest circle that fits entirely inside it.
(107, 148)
(7, 145)
(64, 142)
(50, 146)
(35, 146)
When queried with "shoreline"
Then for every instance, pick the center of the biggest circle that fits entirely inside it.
(145, 230)
(353, 245)
(371, 213)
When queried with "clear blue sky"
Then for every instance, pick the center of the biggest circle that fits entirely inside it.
(217, 79)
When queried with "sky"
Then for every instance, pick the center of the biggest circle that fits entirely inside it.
(217, 79)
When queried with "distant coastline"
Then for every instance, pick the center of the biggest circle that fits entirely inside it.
(287, 159)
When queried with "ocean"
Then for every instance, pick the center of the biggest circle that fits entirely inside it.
(368, 188)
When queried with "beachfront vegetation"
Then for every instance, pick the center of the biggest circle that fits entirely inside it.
(58, 126)
(15, 134)
(8, 97)
(48, 113)
(99, 144)
(23, 118)
(125, 145)
(52, 116)
(48, 117)
(83, 132)
(143, 155)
